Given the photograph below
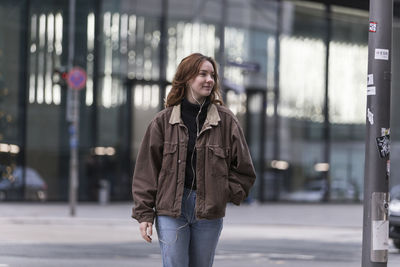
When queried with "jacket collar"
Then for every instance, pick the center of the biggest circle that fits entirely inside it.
(212, 115)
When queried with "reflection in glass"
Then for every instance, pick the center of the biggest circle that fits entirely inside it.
(347, 83)
(42, 41)
(146, 97)
(58, 23)
(138, 96)
(155, 99)
(59, 33)
(130, 48)
(57, 94)
(90, 58)
(124, 34)
(107, 81)
(49, 60)
(236, 102)
(31, 88)
(302, 79)
(271, 62)
(167, 90)
(32, 81)
(185, 38)
(45, 56)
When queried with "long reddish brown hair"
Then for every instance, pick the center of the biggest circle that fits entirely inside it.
(187, 70)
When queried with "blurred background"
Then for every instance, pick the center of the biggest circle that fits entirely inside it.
(293, 72)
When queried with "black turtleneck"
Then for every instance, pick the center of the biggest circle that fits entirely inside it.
(189, 113)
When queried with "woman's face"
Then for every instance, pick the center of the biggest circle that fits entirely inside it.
(202, 84)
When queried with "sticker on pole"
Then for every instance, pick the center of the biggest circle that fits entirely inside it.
(383, 143)
(385, 131)
(371, 90)
(76, 78)
(382, 54)
(370, 79)
(380, 235)
(370, 116)
(373, 26)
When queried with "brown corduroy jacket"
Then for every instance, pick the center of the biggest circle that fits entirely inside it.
(224, 169)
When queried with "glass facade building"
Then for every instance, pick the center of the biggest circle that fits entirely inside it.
(293, 72)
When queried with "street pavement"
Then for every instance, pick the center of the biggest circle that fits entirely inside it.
(295, 235)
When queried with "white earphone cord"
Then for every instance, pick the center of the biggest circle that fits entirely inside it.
(197, 135)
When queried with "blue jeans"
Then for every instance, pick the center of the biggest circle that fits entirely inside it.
(186, 241)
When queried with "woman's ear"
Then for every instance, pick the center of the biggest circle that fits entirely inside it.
(188, 83)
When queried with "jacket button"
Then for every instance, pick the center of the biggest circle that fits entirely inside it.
(179, 161)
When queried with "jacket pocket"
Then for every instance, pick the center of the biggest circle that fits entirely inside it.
(218, 159)
(167, 178)
(168, 158)
(217, 187)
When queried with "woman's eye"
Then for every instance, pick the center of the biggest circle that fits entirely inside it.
(203, 74)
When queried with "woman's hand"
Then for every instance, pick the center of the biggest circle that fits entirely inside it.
(146, 230)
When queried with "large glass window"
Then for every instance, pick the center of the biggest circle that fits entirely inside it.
(119, 44)
(45, 115)
(348, 62)
(305, 143)
(129, 57)
(249, 37)
(193, 26)
(11, 69)
(129, 50)
(301, 102)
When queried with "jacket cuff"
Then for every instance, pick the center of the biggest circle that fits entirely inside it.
(144, 217)
(237, 195)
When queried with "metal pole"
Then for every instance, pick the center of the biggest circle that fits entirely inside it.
(261, 155)
(221, 52)
(22, 93)
(276, 121)
(96, 67)
(326, 129)
(73, 117)
(163, 53)
(376, 183)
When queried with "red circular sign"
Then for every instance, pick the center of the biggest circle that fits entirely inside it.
(76, 78)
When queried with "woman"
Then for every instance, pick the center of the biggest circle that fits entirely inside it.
(192, 161)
